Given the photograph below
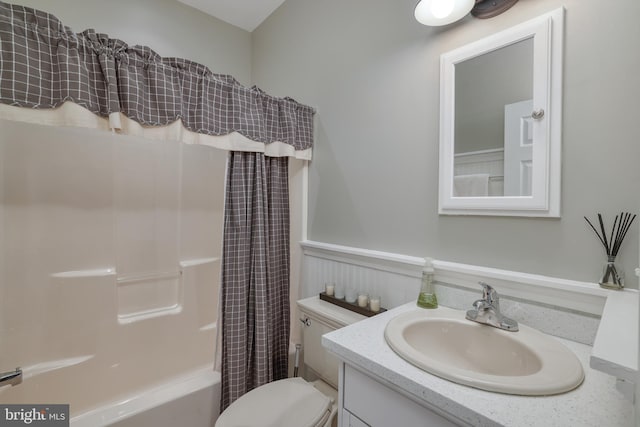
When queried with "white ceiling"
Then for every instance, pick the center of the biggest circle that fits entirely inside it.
(246, 14)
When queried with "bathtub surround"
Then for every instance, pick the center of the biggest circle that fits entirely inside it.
(81, 212)
(255, 274)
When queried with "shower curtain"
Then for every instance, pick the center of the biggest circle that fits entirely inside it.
(51, 75)
(255, 274)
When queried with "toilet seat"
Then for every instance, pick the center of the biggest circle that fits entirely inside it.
(291, 402)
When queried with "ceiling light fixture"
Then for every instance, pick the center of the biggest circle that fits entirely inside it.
(489, 8)
(442, 12)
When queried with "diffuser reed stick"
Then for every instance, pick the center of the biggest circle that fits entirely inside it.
(621, 225)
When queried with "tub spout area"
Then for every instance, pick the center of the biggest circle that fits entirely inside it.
(11, 378)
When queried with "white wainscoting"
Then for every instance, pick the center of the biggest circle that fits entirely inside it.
(484, 161)
(395, 278)
(561, 307)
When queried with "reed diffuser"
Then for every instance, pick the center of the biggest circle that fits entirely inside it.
(613, 278)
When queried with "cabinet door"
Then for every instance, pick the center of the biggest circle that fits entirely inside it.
(350, 420)
(380, 406)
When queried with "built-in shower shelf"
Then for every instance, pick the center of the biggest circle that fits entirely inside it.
(198, 261)
(135, 278)
(350, 306)
(77, 274)
(150, 294)
(52, 365)
(208, 327)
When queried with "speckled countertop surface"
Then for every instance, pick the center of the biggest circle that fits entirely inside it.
(594, 403)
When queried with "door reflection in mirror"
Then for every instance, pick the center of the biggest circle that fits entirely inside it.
(492, 146)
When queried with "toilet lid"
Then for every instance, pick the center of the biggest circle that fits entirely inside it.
(286, 403)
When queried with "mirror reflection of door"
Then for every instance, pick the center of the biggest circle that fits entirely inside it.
(518, 148)
(484, 86)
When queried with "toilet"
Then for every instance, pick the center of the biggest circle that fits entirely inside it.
(296, 402)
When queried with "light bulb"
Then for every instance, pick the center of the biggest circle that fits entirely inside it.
(442, 12)
(442, 8)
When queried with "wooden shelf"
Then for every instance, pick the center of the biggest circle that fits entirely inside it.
(350, 306)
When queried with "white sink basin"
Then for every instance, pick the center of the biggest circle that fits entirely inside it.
(442, 342)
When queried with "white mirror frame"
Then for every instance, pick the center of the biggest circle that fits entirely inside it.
(547, 32)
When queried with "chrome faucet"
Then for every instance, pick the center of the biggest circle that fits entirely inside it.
(487, 311)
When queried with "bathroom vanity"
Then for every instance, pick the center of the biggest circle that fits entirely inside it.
(378, 388)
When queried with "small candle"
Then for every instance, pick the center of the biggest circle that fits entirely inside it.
(351, 296)
(329, 288)
(363, 299)
(374, 304)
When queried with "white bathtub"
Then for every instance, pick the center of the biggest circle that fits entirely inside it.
(190, 400)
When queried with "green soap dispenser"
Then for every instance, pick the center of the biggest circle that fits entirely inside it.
(427, 297)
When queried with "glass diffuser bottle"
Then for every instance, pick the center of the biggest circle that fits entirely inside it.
(612, 276)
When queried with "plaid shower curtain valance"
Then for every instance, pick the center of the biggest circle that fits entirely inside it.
(44, 65)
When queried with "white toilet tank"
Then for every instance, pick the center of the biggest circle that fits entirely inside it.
(318, 318)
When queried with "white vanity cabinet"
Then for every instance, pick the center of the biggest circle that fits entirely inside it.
(350, 420)
(365, 402)
(378, 388)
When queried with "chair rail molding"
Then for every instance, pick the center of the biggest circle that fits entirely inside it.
(569, 294)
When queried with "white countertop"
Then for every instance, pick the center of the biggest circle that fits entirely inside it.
(615, 350)
(594, 403)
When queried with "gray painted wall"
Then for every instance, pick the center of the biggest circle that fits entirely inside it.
(167, 26)
(373, 73)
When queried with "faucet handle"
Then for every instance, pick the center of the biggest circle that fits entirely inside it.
(489, 294)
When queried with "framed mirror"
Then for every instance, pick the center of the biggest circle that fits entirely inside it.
(501, 122)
